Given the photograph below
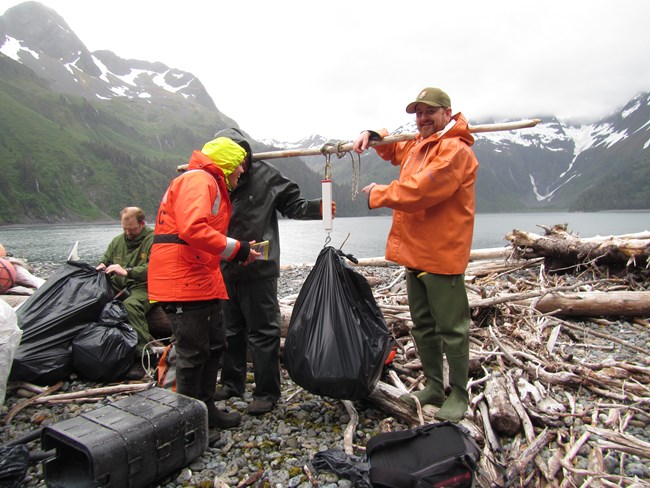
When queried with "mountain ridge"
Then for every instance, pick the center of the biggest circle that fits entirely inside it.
(111, 118)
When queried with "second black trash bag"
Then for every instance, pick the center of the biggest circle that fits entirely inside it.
(50, 319)
(104, 351)
(338, 340)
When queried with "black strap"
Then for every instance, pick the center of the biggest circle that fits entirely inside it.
(399, 436)
(168, 239)
(390, 478)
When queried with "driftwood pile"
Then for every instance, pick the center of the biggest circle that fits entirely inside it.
(535, 403)
(538, 399)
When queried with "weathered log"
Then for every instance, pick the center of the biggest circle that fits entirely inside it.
(490, 435)
(484, 254)
(584, 304)
(387, 396)
(19, 406)
(489, 267)
(348, 436)
(597, 303)
(502, 414)
(619, 441)
(562, 249)
(526, 423)
(596, 464)
(517, 468)
(285, 317)
(100, 391)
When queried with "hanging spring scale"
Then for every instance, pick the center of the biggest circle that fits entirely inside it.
(326, 182)
(326, 189)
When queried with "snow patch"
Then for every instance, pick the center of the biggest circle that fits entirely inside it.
(102, 67)
(630, 110)
(13, 47)
(550, 194)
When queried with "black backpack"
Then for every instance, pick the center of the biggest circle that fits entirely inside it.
(428, 456)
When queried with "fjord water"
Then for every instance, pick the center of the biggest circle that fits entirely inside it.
(301, 241)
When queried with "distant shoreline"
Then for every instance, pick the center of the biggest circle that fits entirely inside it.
(117, 221)
(57, 224)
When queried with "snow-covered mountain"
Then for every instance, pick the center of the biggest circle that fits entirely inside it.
(557, 164)
(65, 62)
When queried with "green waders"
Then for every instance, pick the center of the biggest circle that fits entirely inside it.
(137, 305)
(440, 313)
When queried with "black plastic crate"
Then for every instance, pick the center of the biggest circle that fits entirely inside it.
(132, 442)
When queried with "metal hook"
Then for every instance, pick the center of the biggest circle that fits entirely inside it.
(328, 168)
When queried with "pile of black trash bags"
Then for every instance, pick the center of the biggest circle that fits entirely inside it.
(72, 324)
(337, 344)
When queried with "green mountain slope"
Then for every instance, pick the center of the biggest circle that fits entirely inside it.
(63, 158)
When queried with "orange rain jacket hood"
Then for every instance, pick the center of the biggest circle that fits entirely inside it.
(190, 236)
(433, 200)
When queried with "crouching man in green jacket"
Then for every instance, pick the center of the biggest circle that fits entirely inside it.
(126, 261)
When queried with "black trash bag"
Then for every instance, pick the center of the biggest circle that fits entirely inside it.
(105, 351)
(51, 318)
(14, 462)
(113, 313)
(47, 365)
(349, 467)
(337, 341)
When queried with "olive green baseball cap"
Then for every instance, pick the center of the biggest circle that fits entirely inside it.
(431, 96)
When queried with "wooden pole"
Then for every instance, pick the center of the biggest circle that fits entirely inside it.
(347, 146)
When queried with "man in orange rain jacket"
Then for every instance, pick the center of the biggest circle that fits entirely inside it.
(431, 234)
(184, 273)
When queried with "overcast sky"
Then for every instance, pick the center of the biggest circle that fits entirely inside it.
(288, 69)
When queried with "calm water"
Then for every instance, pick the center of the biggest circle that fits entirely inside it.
(302, 240)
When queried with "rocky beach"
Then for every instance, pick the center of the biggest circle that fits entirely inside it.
(584, 416)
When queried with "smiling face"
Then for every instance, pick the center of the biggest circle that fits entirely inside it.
(233, 178)
(431, 119)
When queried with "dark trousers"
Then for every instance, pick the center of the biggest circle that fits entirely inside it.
(198, 329)
(252, 317)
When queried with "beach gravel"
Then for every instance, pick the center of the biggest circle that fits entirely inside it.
(272, 450)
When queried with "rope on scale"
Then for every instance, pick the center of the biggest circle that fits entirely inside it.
(326, 183)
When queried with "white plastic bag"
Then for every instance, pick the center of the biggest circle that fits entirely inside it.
(10, 335)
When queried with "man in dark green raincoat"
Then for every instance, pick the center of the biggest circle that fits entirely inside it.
(252, 313)
(126, 261)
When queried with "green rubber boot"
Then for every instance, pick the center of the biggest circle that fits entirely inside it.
(455, 407)
(434, 391)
